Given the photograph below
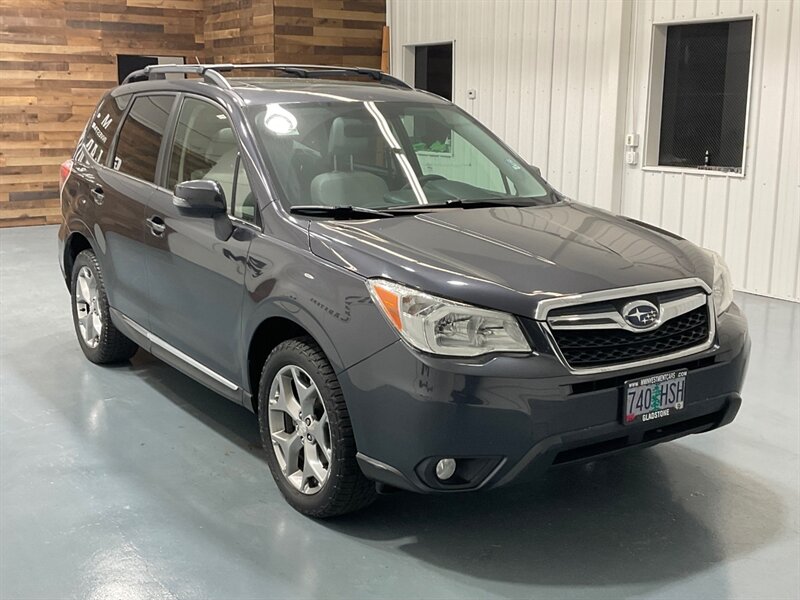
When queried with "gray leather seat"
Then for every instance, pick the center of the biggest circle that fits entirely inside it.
(348, 144)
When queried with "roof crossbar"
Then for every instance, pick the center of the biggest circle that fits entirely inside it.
(211, 73)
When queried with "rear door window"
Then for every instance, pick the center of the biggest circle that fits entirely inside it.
(100, 130)
(140, 137)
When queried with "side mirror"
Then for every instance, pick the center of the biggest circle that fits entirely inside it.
(537, 170)
(202, 197)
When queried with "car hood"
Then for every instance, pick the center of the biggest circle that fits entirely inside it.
(510, 258)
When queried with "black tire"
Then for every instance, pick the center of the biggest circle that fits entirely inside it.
(346, 488)
(112, 346)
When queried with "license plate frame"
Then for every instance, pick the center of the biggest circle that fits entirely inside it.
(653, 397)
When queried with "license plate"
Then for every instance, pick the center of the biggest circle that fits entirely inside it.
(654, 396)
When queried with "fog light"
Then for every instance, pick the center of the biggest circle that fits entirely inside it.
(445, 468)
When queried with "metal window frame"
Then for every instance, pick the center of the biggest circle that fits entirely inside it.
(408, 64)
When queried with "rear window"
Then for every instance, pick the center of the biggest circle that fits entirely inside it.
(100, 130)
(141, 135)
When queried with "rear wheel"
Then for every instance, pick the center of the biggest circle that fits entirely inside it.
(306, 432)
(100, 341)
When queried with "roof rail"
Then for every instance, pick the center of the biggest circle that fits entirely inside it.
(322, 71)
(211, 72)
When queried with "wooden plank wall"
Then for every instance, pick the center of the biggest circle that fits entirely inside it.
(331, 32)
(239, 31)
(57, 57)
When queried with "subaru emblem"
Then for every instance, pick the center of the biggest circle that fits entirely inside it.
(641, 314)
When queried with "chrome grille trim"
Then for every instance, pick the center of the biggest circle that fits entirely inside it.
(548, 304)
(613, 320)
(675, 308)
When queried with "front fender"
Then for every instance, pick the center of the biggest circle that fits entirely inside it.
(329, 302)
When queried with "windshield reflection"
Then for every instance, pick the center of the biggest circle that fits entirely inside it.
(385, 155)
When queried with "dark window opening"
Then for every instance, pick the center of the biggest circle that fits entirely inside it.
(127, 64)
(704, 103)
(433, 69)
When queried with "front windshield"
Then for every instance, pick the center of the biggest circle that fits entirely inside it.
(388, 155)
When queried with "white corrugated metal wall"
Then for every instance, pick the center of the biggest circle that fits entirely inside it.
(563, 81)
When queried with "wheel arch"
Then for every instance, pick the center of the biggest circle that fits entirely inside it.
(266, 336)
(75, 243)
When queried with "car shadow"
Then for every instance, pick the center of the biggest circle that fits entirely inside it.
(645, 516)
(234, 421)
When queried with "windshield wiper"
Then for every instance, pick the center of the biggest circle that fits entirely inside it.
(467, 203)
(343, 212)
(339, 212)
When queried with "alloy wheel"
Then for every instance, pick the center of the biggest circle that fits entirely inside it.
(87, 305)
(299, 429)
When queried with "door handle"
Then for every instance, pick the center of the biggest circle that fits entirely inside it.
(157, 226)
(97, 194)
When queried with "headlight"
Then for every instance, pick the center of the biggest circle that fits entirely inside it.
(440, 326)
(723, 290)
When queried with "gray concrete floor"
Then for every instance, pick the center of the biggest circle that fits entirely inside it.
(136, 482)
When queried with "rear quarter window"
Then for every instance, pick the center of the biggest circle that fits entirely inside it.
(100, 129)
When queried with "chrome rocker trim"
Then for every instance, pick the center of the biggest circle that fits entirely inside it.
(154, 339)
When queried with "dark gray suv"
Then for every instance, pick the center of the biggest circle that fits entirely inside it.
(399, 297)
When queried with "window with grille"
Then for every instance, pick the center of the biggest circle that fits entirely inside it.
(433, 69)
(698, 113)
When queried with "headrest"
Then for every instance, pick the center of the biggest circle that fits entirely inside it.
(350, 136)
(225, 135)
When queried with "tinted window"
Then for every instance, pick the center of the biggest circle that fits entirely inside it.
(140, 137)
(205, 147)
(101, 128)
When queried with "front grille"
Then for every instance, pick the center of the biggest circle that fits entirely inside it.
(587, 348)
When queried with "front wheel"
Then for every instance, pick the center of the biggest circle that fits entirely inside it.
(306, 433)
(100, 341)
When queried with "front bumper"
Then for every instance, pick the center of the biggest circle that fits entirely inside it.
(511, 418)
